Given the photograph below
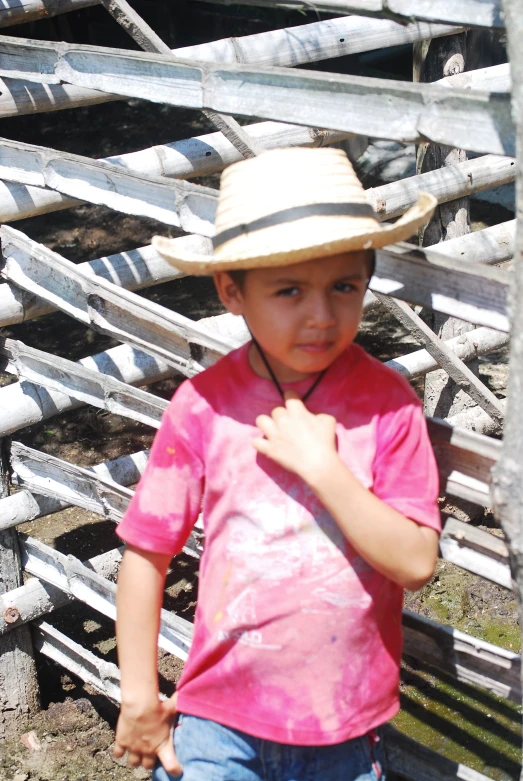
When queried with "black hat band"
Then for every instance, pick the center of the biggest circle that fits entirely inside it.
(295, 213)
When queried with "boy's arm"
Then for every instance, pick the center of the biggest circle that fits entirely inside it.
(144, 725)
(305, 444)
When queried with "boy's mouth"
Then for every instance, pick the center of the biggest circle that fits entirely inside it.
(315, 347)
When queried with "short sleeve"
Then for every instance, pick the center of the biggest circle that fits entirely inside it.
(168, 497)
(405, 470)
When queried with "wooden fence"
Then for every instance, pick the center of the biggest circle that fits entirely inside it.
(466, 277)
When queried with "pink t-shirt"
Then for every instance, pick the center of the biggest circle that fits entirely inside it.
(297, 639)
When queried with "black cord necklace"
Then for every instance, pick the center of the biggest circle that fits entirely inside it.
(273, 377)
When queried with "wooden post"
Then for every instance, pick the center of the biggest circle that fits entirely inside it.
(18, 682)
(507, 482)
(433, 60)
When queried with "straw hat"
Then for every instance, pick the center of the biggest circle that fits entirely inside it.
(290, 205)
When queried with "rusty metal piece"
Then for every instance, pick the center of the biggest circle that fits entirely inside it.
(11, 614)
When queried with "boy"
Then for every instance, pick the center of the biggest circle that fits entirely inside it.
(317, 515)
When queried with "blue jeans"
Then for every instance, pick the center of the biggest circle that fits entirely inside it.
(211, 752)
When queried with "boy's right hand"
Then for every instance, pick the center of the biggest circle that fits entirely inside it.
(146, 734)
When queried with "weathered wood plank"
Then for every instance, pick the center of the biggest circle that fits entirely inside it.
(184, 204)
(70, 575)
(135, 26)
(287, 47)
(90, 387)
(398, 110)
(473, 13)
(138, 192)
(36, 599)
(446, 358)
(24, 506)
(108, 308)
(464, 657)
(477, 551)
(404, 112)
(415, 762)
(59, 479)
(133, 192)
(324, 40)
(435, 60)
(464, 459)
(22, 404)
(477, 420)
(92, 490)
(103, 675)
(474, 293)
(17, 508)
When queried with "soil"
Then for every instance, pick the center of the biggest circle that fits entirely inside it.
(70, 739)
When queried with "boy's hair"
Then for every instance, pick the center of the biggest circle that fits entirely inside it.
(238, 275)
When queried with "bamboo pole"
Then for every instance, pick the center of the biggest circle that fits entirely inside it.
(478, 13)
(20, 11)
(507, 482)
(479, 341)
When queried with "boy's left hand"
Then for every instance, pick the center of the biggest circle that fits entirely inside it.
(296, 439)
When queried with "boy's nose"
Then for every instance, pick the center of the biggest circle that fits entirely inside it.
(321, 313)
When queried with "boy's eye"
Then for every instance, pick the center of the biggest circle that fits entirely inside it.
(288, 291)
(344, 287)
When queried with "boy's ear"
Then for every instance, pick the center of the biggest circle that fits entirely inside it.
(229, 293)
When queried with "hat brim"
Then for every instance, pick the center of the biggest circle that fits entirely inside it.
(383, 235)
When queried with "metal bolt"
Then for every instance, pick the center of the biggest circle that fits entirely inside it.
(11, 614)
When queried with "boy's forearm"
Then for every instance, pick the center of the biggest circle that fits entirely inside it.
(394, 545)
(139, 599)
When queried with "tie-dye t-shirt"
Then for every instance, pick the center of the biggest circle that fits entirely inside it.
(297, 639)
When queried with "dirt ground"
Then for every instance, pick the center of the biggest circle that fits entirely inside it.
(71, 738)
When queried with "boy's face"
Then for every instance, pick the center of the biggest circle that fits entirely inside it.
(304, 315)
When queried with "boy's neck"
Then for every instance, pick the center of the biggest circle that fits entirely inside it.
(282, 372)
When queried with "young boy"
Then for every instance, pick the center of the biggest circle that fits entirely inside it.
(311, 463)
